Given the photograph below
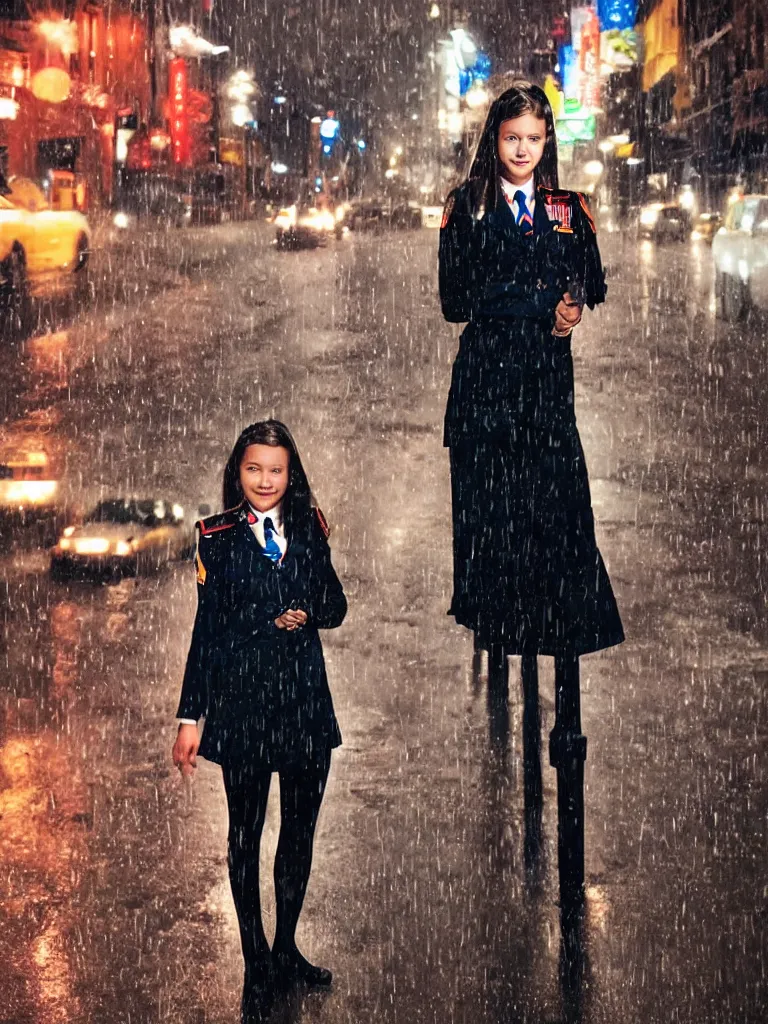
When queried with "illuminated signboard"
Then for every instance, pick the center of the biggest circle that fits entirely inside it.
(329, 128)
(179, 117)
(589, 61)
(617, 14)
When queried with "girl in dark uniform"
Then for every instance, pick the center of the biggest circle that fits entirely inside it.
(256, 673)
(519, 261)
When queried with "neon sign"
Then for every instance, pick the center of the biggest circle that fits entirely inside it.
(177, 89)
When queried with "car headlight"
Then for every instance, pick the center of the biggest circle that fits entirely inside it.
(92, 546)
(286, 218)
(65, 544)
(123, 548)
(649, 217)
(121, 220)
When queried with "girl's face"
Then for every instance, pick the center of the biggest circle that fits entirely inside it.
(521, 146)
(264, 475)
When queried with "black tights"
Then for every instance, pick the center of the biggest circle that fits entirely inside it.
(301, 794)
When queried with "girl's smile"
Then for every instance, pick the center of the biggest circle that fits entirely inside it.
(520, 147)
(264, 475)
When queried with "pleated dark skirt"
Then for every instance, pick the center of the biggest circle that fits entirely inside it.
(527, 570)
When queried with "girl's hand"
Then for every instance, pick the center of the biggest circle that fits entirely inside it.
(294, 618)
(185, 749)
(567, 315)
(568, 310)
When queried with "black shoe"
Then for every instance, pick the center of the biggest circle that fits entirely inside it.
(293, 968)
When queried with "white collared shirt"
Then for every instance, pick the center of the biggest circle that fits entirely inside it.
(276, 515)
(528, 189)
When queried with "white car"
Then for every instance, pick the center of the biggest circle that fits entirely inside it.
(740, 251)
(431, 216)
(124, 537)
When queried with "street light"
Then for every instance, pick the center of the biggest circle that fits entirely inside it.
(241, 115)
(476, 97)
(185, 42)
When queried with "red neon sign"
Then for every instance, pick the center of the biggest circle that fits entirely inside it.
(177, 93)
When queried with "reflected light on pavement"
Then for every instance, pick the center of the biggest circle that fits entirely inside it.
(48, 352)
(597, 907)
(66, 630)
(41, 843)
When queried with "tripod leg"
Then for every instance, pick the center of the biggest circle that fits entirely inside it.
(532, 783)
(477, 663)
(498, 673)
(567, 754)
(531, 731)
(498, 697)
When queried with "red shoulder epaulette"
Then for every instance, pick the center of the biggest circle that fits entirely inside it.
(587, 211)
(213, 524)
(205, 529)
(323, 522)
(447, 211)
(557, 195)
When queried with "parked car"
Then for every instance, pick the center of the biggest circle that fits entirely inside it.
(155, 198)
(706, 226)
(41, 249)
(383, 212)
(212, 197)
(664, 222)
(740, 253)
(124, 537)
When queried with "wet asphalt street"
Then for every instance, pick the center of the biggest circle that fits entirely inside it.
(114, 903)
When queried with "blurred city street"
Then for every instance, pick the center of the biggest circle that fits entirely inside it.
(114, 900)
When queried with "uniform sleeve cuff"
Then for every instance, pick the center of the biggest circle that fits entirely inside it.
(187, 721)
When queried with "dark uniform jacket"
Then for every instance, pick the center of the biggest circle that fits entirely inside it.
(507, 286)
(527, 570)
(262, 690)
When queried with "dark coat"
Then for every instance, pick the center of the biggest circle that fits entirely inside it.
(527, 570)
(507, 286)
(262, 690)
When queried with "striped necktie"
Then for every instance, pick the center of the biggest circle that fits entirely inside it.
(523, 220)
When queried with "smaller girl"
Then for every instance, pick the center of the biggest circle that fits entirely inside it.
(256, 673)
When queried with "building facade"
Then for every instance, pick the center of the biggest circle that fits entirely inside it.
(68, 70)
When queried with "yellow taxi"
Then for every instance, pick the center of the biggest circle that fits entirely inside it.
(39, 247)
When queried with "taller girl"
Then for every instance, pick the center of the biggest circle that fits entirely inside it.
(519, 260)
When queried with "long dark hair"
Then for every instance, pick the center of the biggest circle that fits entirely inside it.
(297, 502)
(521, 98)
